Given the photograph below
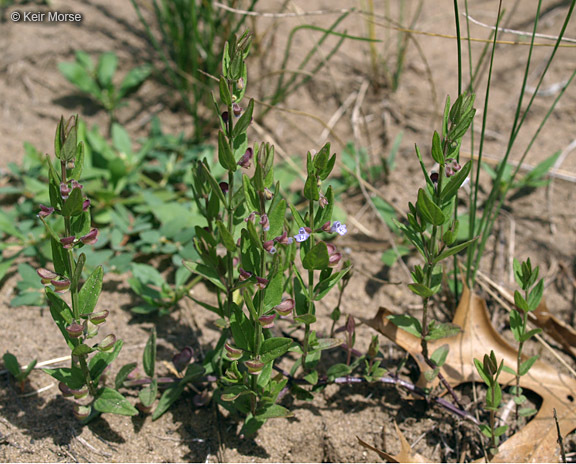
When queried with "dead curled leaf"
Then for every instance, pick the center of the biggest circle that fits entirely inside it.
(557, 329)
(535, 442)
(406, 454)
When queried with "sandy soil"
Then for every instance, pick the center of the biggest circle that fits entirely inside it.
(542, 226)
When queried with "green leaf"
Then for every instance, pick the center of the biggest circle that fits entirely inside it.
(326, 344)
(324, 286)
(453, 185)
(103, 359)
(535, 295)
(520, 302)
(438, 357)
(78, 76)
(276, 218)
(172, 394)
(61, 314)
(428, 210)
(73, 205)
(123, 374)
(499, 431)
(436, 331)
(524, 412)
(206, 272)
(82, 350)
(242, 328)
(225, 95)
(226, 237)
(225, 156)
(147, 395)
(149, 355)
(407, 323)
(274, 348)
(431, 374)
(11, 363)
(516, 324)
(133, 80)
(111, 401)
(273, 292)
(72, 377)
(250, 194)
(421, 290)
(338, 370)
(509, 370)
(311, 188)
(437, 152)
(312, 377)
(106, 68)
(530, 334)
(233, 392)
(90, 291)
(526, 365)
(317, 257)
(273, 411)
(305, 319)
(452, 251)
(244, 120)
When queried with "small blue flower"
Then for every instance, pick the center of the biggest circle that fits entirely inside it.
(302, 235)
(339, 228)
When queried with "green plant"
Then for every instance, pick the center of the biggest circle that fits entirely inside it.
(97, 80)
(482, 224)
(430, 225)
(490, 370)
(188, 38)
(526, 278)
(79, 322)
(13, 366)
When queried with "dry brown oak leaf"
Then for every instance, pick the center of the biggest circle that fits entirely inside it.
(405, 455)
(557, 329)
(535, 442)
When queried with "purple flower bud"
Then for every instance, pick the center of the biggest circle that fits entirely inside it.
(268, 193)
(244, 275)
(434, 177)
(374, 347)
(182, 359)
(285, 308)
(326, 226)
(46, 275)
(99, 317)
(334, 259)
(232, 353)
(85, 205)
(61, 286)
(284, 239)
(82, 412)
(264, 222)
(75, 330)
(449, 171)
(108, 343)
(74, 184)
(339, 228)
(350, 325)
(331, 249)
(90, 238)
(64, 190)
(45, 211)
(261, 282)
(303, 234)
(267, 321)
(237, 109)
(65, 390)
(323, 202)
(225, 117)
(224, 187)
(269, 246)
(246, 159)
(250, 217)
(254, 366)
(68, 242)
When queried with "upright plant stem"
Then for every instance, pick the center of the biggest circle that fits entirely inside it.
(310, 288)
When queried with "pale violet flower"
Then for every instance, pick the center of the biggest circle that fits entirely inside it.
(302, 235)
(339, 228)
